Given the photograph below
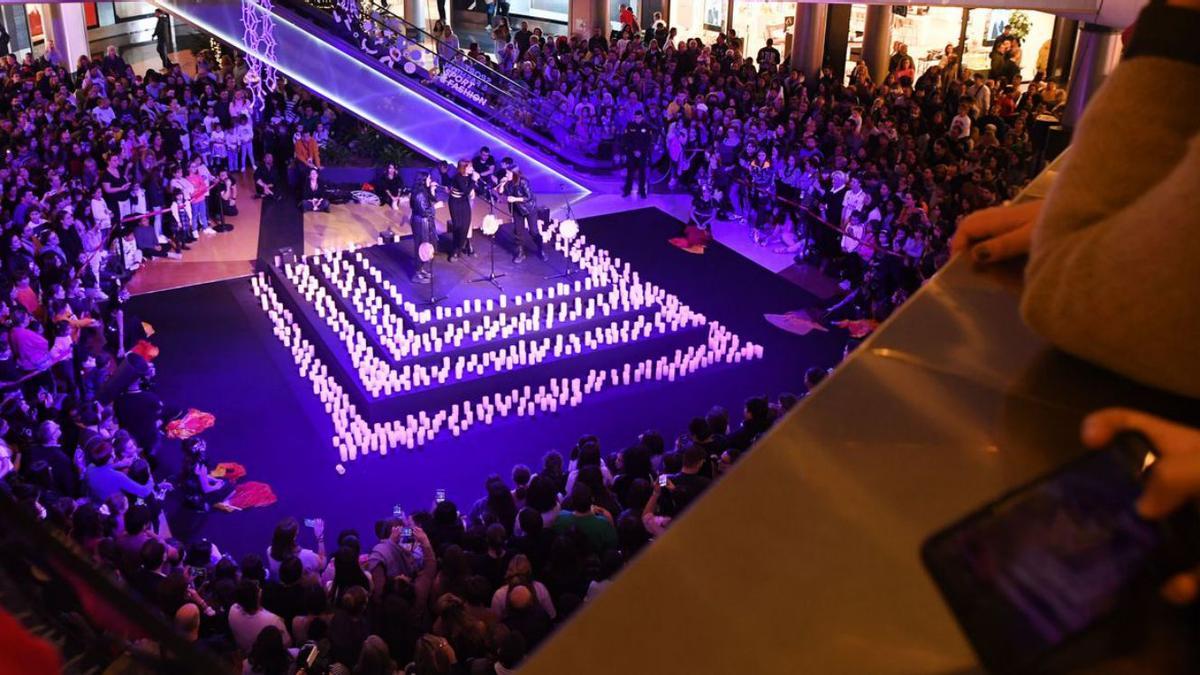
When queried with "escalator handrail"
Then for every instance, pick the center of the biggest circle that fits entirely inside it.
(545, 142)
(524, 103)
(381, 23)
(376, 6)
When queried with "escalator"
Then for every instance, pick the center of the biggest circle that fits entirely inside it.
(390, 74)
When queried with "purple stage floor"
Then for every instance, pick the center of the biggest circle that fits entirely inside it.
(269, 419)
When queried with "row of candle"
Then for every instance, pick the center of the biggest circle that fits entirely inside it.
(379, 378)
(354, 437)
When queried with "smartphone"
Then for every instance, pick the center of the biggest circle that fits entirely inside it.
(1031, 576)
(439, 495)
(398, 512)
(662, 480)
(199, 576)
(309, 522)
(406, 535)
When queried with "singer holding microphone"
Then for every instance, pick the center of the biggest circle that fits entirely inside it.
(524, 209)
(461, 190)
(423, 205)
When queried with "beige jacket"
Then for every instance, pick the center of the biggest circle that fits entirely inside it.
(1114, 272)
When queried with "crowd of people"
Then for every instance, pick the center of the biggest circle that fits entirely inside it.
(101, 161)
(444, 590)
(864, 179)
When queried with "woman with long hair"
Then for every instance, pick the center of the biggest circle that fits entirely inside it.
(462, 191)
(312, 193)
(284, 546)
(346, 575)
(269, 656)
(422, 206)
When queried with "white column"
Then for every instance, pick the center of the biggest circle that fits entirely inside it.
(415, 13)
(66, 25)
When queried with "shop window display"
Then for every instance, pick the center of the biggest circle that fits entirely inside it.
(928, 30)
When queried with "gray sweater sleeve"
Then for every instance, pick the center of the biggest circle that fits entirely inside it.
(1114, 270)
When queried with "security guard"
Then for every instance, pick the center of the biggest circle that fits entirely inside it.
(637, 141)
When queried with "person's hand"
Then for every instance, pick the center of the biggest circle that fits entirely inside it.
(318, 527)
(998, 233)
(1173, 483)
(420, 537)
(80, 461)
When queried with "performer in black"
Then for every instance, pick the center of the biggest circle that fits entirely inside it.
(423, 206)
(485, 172)
(388, 187)
(162, 33)
(637, 141)
(524, 209)
(461, 190)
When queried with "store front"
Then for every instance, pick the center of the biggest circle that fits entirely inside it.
(550, 11)
(927, 30)
(108, 23)
(701, 18)
(755, 22)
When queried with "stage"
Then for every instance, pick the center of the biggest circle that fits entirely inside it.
(273, 420)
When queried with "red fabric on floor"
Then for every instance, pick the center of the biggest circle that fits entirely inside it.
(251, 494)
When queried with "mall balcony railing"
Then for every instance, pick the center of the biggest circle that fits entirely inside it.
(418, 57)
(804, 558)
(93, 622)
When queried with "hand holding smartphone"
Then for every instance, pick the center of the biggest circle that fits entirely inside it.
(1031, 574)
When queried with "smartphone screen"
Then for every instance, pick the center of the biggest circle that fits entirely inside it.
(662, 480)
(406, 535)
(439, 496)
(1041, 565)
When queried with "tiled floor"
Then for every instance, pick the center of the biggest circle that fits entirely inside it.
(214, 257)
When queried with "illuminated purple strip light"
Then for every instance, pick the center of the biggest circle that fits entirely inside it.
(439, 132)
(354, 437)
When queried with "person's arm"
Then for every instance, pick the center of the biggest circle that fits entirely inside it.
(1112, 267)
(319, 532)
(423, 583)
(132, 487)
(544, 599)
(378, 581)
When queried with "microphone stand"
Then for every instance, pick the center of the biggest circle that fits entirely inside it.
(571, 270)
(492, 276)
(433, 299)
